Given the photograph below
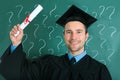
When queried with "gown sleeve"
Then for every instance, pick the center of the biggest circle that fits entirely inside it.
(105, 74)
(15, 66)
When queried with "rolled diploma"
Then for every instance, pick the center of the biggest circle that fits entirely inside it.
(30, 17)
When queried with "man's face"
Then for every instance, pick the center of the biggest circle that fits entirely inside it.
(75, 36)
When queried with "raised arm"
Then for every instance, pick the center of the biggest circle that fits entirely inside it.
(16, 40)
(10, 66)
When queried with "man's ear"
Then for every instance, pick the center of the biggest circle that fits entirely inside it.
(87, 35)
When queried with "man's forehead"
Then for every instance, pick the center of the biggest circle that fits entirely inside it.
(74, 25)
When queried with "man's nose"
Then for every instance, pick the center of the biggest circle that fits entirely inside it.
(73, 36)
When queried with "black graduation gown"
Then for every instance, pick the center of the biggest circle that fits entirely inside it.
(15, 66)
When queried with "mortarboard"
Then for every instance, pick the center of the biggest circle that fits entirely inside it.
(76, 14)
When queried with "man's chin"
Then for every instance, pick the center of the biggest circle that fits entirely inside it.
(74, 50)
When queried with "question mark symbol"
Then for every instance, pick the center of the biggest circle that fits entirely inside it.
(44, 44)
(104, 40)
(21, 8)
(46, 17)
(11, 15)
(95, 51)
(56, 17)
(32, 44)
(113, 11)
(89, 39)
(26, 37)
(103, 27)
(115, 30)
(61, 40)
(51, 31)
(52, 10)
(36, 29)
(112, 52)
(103, 9)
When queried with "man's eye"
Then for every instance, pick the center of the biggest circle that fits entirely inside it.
(68, 32)
(79, 32)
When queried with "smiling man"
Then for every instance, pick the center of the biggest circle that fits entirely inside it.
(74, 65)
(75, 37)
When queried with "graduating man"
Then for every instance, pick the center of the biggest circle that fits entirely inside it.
(74, 65)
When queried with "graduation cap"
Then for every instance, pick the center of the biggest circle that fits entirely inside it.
(76, 14)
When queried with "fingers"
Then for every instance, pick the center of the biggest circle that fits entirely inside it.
(16, 39)
(15, 29)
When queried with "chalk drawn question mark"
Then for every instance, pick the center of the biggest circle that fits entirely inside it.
(113, 11)
(103, 27)
(36, 30)
(50, 13)
(46, 17)
(56, 17)
(112, 53)
(96, 53)
(51, 31)
(114, 31)
(103, 9)
(44, 44)
(103, 42)
(61, 40)
(32, 45)
(21, 8)
(26, 37)
(89, 39)
(11, 15)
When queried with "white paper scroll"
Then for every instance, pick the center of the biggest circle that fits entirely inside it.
(30, 17)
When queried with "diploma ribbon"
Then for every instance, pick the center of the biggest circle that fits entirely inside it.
(27, 19)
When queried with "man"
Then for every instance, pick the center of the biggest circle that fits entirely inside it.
(75, 65)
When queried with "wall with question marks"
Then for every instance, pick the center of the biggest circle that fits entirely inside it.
(43, 36)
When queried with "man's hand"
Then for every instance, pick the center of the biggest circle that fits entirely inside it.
(16, 40)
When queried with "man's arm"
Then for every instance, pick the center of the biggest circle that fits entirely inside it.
(16, 40)
(10, 65)
(15, 66)
(105, 74)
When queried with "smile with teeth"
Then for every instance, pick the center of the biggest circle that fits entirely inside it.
(74, 42)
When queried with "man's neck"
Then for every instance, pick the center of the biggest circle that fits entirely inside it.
(74, 53)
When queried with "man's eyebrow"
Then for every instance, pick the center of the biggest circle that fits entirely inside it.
(79, 30)
(68, 30)
(75, 30)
